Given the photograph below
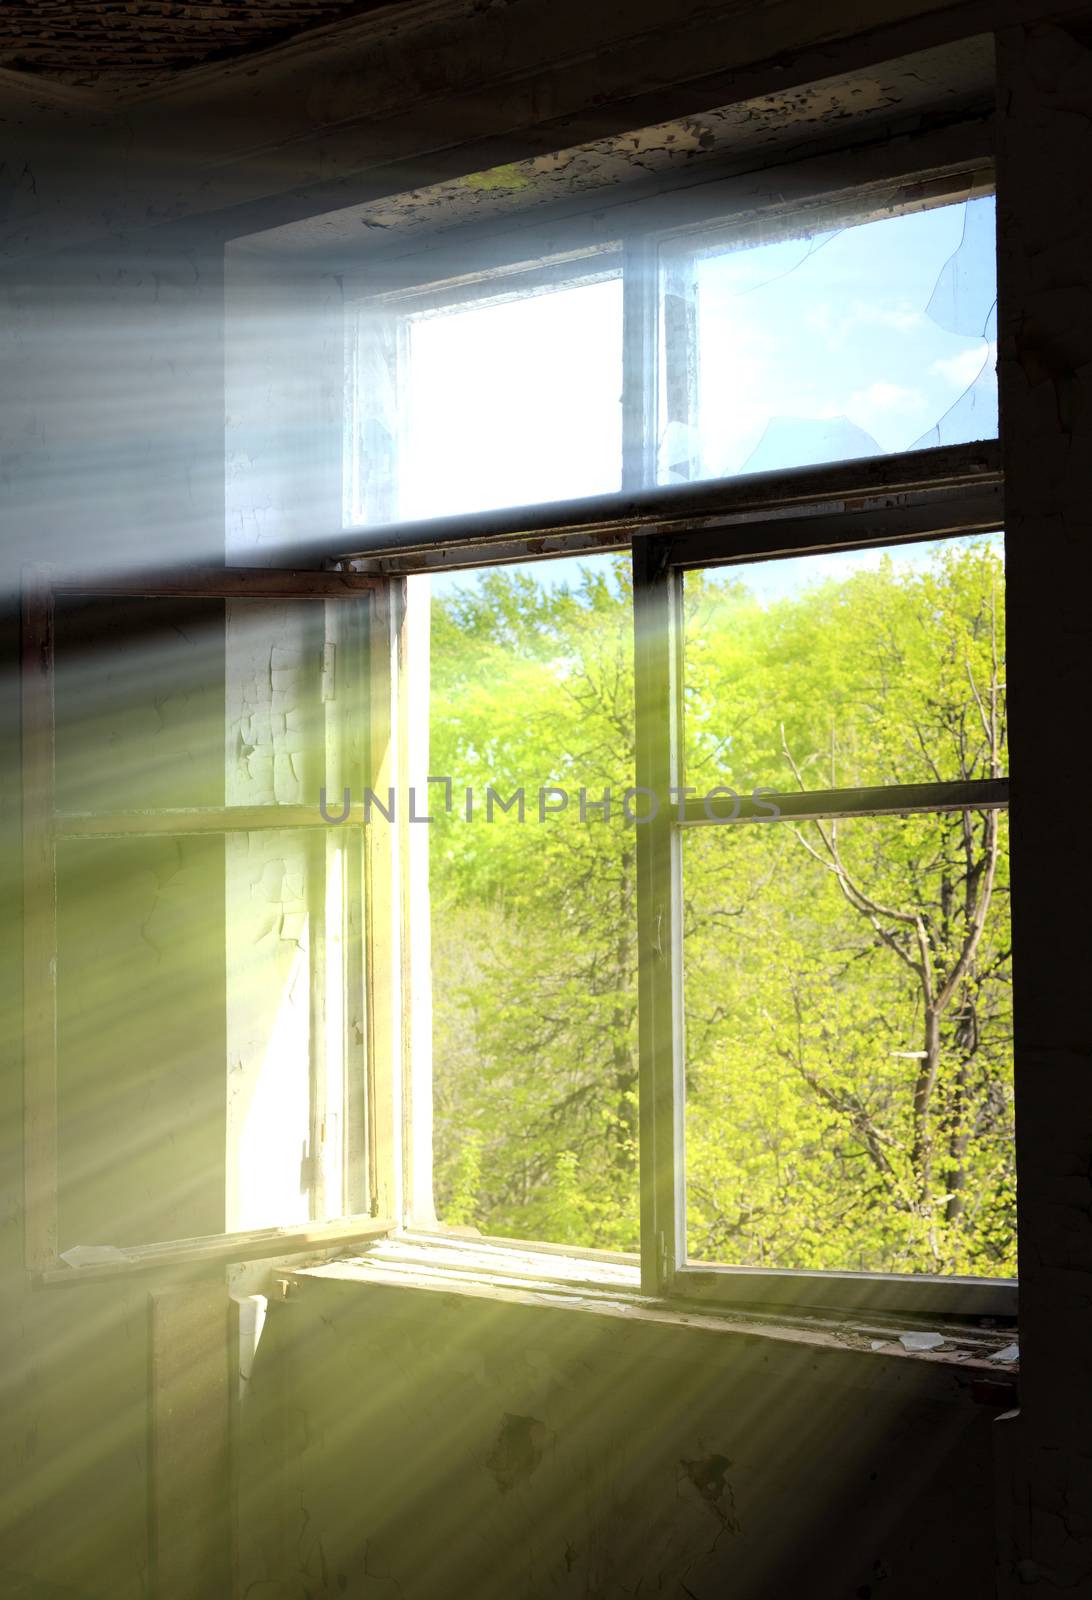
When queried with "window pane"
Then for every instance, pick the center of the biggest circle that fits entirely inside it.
(533, 921)
(207, 1027)
(200, 1036)
(466, 406)
(848, 670)
(141, 1046)
(847, 1106)
(866, 339)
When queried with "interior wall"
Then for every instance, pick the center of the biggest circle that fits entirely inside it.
(111, 427)
(1045, 371)
(424, 1444)
(140, 924)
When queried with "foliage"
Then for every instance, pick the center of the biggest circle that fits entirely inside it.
(848, 1006)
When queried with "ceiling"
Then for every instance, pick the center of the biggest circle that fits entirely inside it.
(904, 95)
(125, 44)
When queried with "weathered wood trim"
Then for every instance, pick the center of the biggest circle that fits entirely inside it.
(381, 913)
(347, 756)
(912, 1293)
(658, 678)
(174, 821)
(213, 583)
(946, 473)
(892, 800)
(869, 1341)
(856, 523)
(215, 1249)
(938, 166)
(39, 929)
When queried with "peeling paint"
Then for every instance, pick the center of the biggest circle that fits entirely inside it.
(709, 1476)
(508, 176)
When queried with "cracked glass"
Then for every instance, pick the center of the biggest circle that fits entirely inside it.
(868, 338)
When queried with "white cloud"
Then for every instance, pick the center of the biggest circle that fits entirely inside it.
(837, 324)
(962, 369)
(880, 397)
(904, 319)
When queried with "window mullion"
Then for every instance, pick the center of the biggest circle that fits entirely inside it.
(640, 257)
(346, 757)
(382, 912)
(679, 423)
(657, 592)
(896, 799)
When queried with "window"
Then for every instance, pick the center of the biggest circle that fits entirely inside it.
(825, 1003)
(870, 335)
(463, 399)
(701, 953)
(753, 1018)
(847, 1066)
(533, 909)
(195, 945)
(840, 329)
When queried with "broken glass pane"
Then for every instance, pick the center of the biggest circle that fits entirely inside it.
(866, 339)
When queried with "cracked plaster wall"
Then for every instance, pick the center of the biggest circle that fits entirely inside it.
(420, 1444)
(111, 456)
(283, 381)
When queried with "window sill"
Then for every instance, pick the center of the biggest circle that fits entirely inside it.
(610, 1286)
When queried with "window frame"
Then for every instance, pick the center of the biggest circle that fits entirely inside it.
(878, 500)
(379, 336)
(874, 502)
(659, 562)
(343, 597)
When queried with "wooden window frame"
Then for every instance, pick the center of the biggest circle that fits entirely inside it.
(659, 562)
(871, 501)
(868, 503)
(379, 336)
(878, 500)
(357, 602)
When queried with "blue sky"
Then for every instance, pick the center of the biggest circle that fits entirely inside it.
(864, 339)
(876, 337)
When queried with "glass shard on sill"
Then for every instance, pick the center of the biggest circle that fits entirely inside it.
(921, 1341)
(94, 1255)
